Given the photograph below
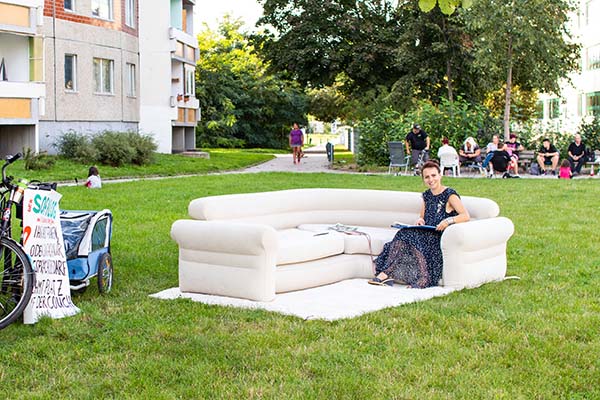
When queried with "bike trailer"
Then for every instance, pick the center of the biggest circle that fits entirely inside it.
(86, 236)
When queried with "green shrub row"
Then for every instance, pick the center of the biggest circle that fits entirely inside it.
(108, 147)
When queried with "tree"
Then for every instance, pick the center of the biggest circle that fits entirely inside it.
(521, 42)
(242, 104)
(393, 48)
(315, 41)
(446, 6)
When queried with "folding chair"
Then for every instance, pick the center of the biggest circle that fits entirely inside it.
(398, 158)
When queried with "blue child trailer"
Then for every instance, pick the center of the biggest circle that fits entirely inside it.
(87, 237)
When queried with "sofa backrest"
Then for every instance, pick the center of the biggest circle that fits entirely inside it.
(290, 208)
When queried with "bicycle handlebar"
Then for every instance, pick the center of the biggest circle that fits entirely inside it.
(12, 159)
(9, 160)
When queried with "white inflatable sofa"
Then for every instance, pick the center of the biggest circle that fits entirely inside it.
(255, 245)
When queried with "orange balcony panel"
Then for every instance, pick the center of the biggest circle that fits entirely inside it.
(181, 115)
(191, 115)
(14, 15)
(15, 108)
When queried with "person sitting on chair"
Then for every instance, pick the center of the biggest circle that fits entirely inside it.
(446, 148)
(547, 157)
(470, 152)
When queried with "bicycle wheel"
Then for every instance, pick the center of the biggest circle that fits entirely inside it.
(105, 273)
(16, 281)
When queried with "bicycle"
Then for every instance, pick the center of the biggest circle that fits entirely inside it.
(420, 162)
(17, 277)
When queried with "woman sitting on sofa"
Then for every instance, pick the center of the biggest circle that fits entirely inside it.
(414, 256)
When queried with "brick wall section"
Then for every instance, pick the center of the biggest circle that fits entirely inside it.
(57, 7)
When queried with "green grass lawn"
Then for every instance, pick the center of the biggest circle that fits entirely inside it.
(165, 165)
(533, 338)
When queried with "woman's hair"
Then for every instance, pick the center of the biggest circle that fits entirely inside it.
(565, 163)
(445, 140)
(471, 141)
(93, 171)
(430, 164)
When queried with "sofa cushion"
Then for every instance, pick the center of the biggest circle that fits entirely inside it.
(357, 243)
(297, 246)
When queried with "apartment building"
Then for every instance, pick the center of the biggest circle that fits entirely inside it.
(168, 56)
(92, 67)
(580, 98)
(22, 88)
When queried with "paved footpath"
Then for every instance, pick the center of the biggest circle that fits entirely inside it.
(314, 160)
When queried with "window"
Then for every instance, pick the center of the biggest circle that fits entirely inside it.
(553, 108)
(189, 81)
(539, 109)
(69, 5)
(130, 79)
(103, 75)
(36, 59)
(593, 57)
(70, 72)
(130, 13)
(593, 103)
(102, 9)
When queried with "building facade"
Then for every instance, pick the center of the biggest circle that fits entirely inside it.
(93, 65)
(168, 55)
(22, 88)
(579, 99)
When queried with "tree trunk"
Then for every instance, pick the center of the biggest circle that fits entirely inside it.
(507, 99)
(449, 84)
(448, 63)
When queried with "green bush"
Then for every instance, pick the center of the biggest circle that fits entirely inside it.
(144, 147)
(115, 148)
(37, 161)
(76, 147)
(590, 132)
(229, 143)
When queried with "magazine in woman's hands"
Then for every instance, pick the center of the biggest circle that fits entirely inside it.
(399, 225)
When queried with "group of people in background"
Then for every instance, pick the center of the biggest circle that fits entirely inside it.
(500, 157)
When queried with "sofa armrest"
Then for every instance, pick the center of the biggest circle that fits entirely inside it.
(226, 258)
(475, 252)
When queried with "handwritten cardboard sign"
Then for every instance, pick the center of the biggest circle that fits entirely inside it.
(43, 242)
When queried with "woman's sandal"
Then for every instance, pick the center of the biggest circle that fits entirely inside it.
(381, 282)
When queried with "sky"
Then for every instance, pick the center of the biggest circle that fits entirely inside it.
(211, 11)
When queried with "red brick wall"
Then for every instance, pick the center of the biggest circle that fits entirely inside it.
(56, 8)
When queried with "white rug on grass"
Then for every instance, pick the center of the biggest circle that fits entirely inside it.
(340, 300)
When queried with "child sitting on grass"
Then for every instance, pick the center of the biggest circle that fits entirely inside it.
(93, 181)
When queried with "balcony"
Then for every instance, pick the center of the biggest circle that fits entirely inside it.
(21, 102)
(184, 47)
(21, 16)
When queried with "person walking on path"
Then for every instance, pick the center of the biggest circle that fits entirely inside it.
(296, 143)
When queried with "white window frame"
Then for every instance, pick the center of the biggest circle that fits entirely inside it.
(189, 77)
(99, 85)
(130, 13)
(130, 79)
(73, 87)
(593, 57)
(97, 9)
(72, 6)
